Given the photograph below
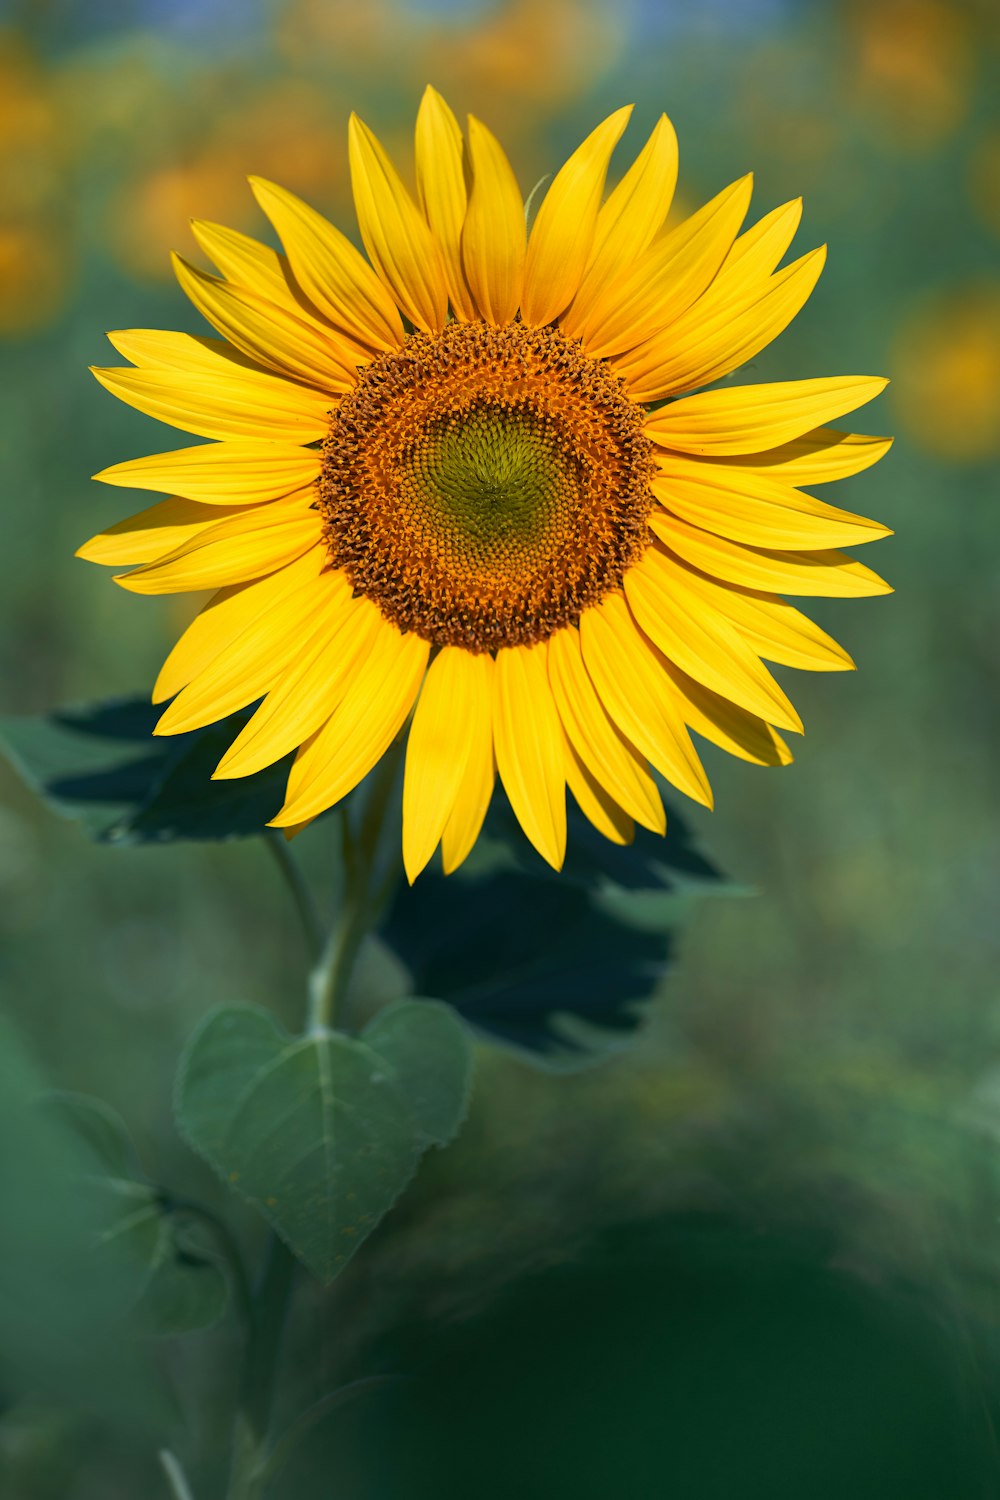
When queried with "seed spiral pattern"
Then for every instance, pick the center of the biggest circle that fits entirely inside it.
(484, 486)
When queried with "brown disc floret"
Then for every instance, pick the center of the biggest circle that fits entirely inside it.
(484, 486)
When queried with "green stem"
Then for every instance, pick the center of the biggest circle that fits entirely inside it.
(176, 1478)
(299, 887)
(269, 1311)
(364, 898)
(334, 957)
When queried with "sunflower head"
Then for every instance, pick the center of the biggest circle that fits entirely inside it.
(486, 481)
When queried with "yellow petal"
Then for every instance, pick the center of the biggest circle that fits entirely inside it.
(759, 249)
(627, 222)
(777, 631)
(718, 720)
(562, 236)
(441, 188)
(164, 349)
(751, 418)
(154, 532)
(825, 573)
(225, 617)
(249, 664)
(757, 509)
(816, 457)
(223, 405)
(708, 342)
(268, 333)
(361, 729)
(529, 748)
(452, 721)
(494, 236)
(244, 546)
(703, 643)
(608, 756)
(657, 288)
(594, 802)
(242, 472)
(313, 684)
(473, 800)
(248, 262)
(625, 669)
(400, 245)
(330, 271)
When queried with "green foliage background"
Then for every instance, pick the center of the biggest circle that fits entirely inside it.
(823, 1061)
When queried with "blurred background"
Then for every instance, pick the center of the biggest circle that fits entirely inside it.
(819, 1085)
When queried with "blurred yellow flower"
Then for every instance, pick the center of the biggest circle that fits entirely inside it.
(36, 253)
(455, 479)
(947, 354)
(912, 66)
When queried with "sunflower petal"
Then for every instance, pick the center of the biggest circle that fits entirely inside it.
(313, 685)
(562, 236)
(752, 418)
(704, 645)
(825, 573)
(329, 269)
(758, 510)
(594, 802)
(268, 333)
(164, 349)
(758, 249)
(627, 222)
(240, 472)
(529, 749)
(154, 532)
(721, 722)
(442, 190)
(608, 756)
(400, 245)
(705, 345)
(630, 682)
(249, 263)
(494, 237)
(248, 665)
(816, 457)
(665, 281)
(361, 728)
(241, 547)
(452, 719)
(225, 617)
(473, 799)
(223, 405)
(776, 630)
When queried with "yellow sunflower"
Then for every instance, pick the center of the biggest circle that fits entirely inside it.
(463, 480)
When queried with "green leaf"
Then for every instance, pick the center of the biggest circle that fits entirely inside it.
(64, 1330)
(430, 1052)
(101, 765)
(169, 1279)
(582, 949)
(322, 1132)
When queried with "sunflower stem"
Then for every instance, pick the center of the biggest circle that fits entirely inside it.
(364, 898)
(365, 893)
(300, 889)
(269, 1313)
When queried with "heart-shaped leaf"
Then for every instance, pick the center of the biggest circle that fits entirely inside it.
(169, 1279)
(323, 1132)
(102, 765)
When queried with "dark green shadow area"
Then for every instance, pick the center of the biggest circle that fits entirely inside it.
(699, 1360)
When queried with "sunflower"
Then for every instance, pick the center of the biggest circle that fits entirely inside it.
(485, 480)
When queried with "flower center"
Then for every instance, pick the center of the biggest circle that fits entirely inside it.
(484, 486)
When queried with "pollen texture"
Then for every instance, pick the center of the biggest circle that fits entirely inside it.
(484, 486)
